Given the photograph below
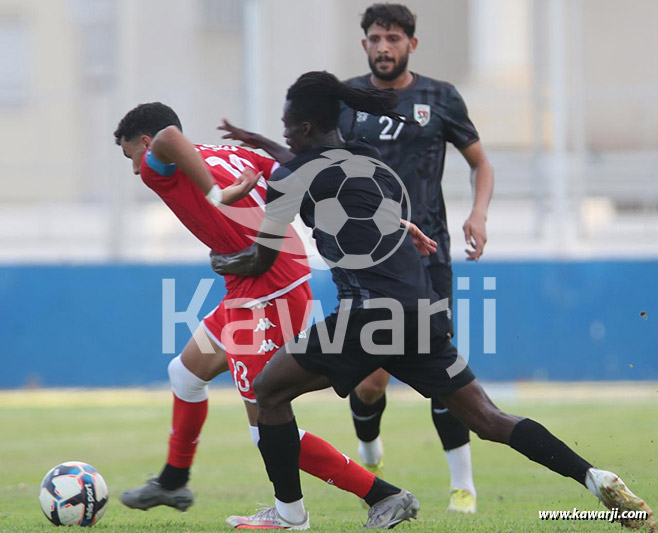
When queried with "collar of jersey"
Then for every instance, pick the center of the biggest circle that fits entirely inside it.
(413, 83)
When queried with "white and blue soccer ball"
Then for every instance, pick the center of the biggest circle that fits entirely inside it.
(73, 494)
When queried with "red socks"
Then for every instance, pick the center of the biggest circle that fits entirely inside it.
(321, 459)
(316, 457)
(186, 427)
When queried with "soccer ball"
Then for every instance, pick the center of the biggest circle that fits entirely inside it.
(73, 493)
(364, 235)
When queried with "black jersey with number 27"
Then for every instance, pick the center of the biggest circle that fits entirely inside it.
(416, 151)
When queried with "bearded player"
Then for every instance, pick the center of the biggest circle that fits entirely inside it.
(416, 151)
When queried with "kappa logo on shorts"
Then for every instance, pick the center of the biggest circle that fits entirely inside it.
(302, 334)
(267, 346)
(262, 305)
(264, 324)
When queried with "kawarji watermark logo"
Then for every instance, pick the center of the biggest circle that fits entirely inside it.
(464, 318)
(343, 194)
(296, 341)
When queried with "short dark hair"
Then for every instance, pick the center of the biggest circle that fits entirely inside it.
(315, 97)
(388, 14)
(146, 119)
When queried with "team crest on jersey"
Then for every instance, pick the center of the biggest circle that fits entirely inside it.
(361, 116)
(422, 114)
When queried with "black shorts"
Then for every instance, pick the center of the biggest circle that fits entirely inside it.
(441, 276)
(347, 364)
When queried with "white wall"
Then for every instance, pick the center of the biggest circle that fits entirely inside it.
(79, 65)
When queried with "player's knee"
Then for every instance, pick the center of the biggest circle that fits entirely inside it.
(268, 395)
(437, 404)
(257, 384)
(262, 392)
(369, 392)
(185, 384)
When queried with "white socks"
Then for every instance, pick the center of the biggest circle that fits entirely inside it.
(589, 482)
(371, 452)
(291, 512)
(461, 472)
(255, 434)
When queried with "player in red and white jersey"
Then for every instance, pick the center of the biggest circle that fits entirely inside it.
(198, 182)
(213, 227)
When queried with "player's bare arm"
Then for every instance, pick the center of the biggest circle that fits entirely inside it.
(255, 140)
(482, 183)
(171, 146)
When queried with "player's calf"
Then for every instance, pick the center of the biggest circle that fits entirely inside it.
(471, 405)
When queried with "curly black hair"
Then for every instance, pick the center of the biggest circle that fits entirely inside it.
(316, 97)
(146, 119)
(388, 14)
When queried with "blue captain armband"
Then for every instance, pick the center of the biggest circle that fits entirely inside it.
(158, 166)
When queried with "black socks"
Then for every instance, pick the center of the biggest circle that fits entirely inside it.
(452, 432)
(380, 490)
(172, 478)
(279, 446)
(535, 442)
(367, 417)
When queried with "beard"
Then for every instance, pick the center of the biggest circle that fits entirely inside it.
(398, 68)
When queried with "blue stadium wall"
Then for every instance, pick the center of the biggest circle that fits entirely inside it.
(97, 326)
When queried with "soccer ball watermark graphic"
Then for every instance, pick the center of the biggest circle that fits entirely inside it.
(358, 233)
(357, 203)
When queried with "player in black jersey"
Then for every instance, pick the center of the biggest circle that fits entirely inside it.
(416, 151)
(379, 323)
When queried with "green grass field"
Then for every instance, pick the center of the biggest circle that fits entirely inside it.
(123, 433)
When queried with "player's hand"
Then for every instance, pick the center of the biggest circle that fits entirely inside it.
(217, 263)
(241, 186)
(247, 180)
(475, 232)
(422, 242)
(234, 133)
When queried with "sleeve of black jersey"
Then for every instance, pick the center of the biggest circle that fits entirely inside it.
(362, 146)
(460, 131)
(346, 121)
